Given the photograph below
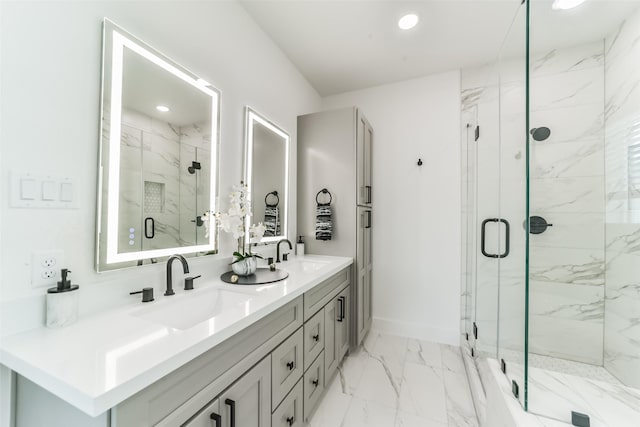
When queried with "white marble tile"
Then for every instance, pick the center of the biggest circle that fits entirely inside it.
(567, 159)
(575, 123)
(460, 409)
(452, 359)
(556, 61)
(380, 383)
(424, 353)
(576, 195)
(363, 413)
(332, 408)
(404, 419)
(569, 339)
(567, 265)
(567, 89)
(423, 392)
(390, 348)
(570, 230)
(567, 301)
(352, 369)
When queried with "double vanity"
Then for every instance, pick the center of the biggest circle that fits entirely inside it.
(214, 353)
(219, 355)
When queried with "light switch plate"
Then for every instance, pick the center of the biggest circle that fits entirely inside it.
(29, 190)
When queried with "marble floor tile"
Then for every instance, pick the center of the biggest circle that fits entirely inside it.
(365, 413)
(380, 383)
(404, 419)
(460, 409)
(424, 353)
(423, 393)
(393, 381)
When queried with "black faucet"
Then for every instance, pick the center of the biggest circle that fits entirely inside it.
(185, 270)
(278, 248)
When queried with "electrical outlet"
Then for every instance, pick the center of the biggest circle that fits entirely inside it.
(45, 267)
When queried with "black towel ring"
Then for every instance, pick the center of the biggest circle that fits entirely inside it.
(324, 191)
(273, 193)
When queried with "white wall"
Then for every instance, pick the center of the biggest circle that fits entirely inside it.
(50, 85)
(416, 225)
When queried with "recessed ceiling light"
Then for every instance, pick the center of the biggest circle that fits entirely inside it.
(566, 4)
(162, 108)
(408, 21)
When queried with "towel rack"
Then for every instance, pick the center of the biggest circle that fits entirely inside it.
(324, 191)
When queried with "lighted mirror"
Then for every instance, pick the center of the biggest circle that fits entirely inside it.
(159, 155)
(267, 173)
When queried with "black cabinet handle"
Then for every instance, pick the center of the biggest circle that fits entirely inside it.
(290, 421)
(291, 365)
(315, 383)
(217, 419)
(232, 412)
(316, 337)
(368, 220)
(341, 301)
(368, 187)
(483, 238)
(149, 228)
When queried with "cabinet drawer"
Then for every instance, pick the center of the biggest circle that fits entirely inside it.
(313, 385)
(286, 367)
(289, 413)
(319, 296)
(313, 338)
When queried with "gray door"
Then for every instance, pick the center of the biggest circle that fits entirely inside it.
(247, 403)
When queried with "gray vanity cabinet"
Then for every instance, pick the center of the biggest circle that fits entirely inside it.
(208, 417)
(289, 413)
(272, 373)
(335, 152)
(247, 403)
(364, 136)
(336, 324)
(364, 266)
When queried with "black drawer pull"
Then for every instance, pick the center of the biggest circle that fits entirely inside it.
(290, 421)
(316, 337)
(291, 365)
(315, 383)
(232, 412)
(217, 419)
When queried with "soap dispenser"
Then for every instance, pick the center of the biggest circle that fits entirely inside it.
(62, 302)
(300, 246)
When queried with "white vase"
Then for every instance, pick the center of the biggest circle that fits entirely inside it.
(246, 267)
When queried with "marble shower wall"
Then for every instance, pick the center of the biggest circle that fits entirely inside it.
(622, 124)
(566, 275)
(567, 188)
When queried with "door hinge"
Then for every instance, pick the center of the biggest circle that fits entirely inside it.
(477, 132)
(475, 330)
(503, 366)
(515, 389)
(467, 336)
(473, 353)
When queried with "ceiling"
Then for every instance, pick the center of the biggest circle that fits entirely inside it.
(346, 45)
(146, 85)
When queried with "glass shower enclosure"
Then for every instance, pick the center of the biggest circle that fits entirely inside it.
(551, 210)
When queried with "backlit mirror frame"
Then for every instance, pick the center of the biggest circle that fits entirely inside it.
(251, 118)
(115, 40)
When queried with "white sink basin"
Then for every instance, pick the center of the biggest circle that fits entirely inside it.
(187, 310)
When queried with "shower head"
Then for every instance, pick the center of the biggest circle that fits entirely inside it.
(540, 134)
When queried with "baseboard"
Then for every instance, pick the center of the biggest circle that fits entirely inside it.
(416, 330)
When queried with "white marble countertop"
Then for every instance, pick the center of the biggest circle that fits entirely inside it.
(104, 359)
